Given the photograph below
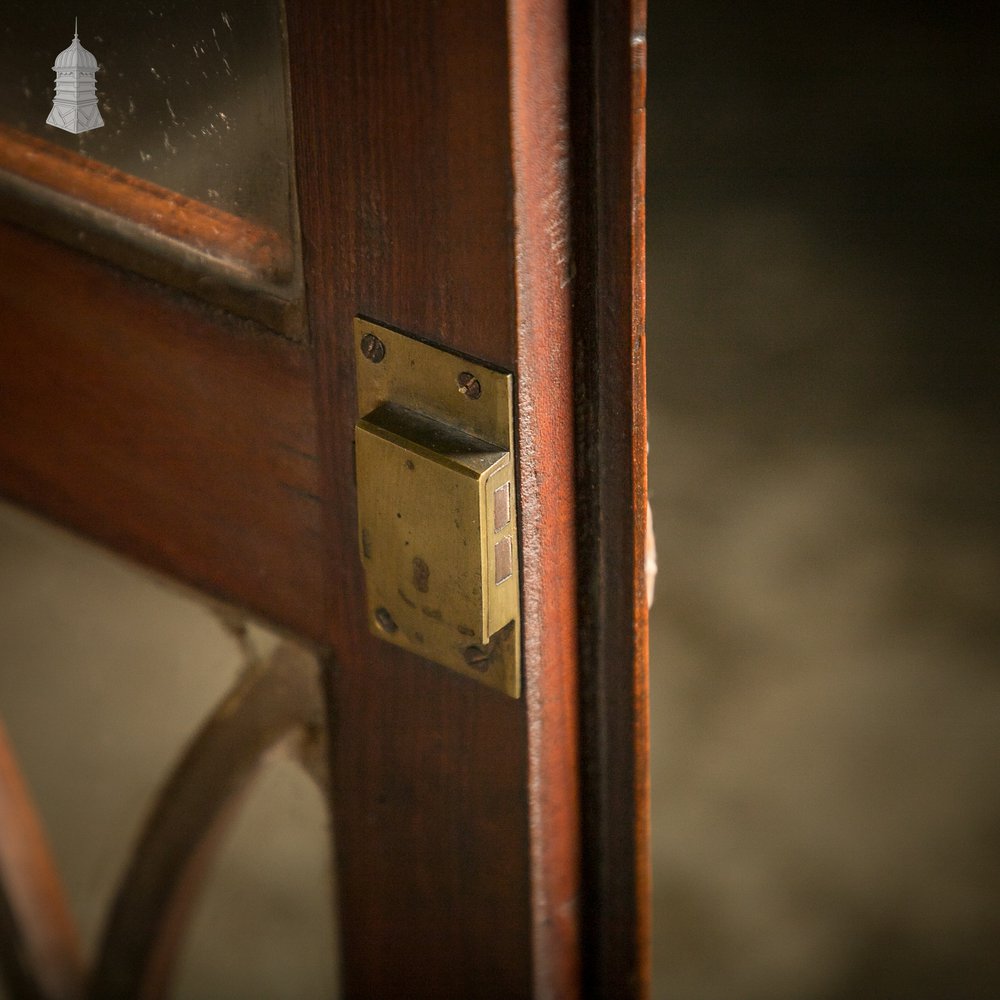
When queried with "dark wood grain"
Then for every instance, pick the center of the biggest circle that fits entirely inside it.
(457, 824)
(609, 76)
(170, 432)
(406, 197)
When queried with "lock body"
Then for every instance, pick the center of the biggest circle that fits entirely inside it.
(436, 514)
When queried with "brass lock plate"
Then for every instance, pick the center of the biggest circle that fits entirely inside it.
(437, 521)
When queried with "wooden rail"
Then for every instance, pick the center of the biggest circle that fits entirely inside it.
(231, 261)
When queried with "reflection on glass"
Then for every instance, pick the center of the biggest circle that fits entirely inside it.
(193, 95)
(194, 101)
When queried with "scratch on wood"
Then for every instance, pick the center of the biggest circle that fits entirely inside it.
(304, 494)
(555, 209)
(292, 450)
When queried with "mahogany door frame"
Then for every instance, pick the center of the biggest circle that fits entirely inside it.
(472, 173)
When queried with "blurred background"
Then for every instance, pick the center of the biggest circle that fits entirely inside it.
(823, 235)
(825, 677)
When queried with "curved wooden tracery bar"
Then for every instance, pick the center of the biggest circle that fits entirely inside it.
(275, 707)
(40, 952)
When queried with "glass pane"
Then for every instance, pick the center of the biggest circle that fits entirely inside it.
(194, 101)
(107, 675)
(192, 95)
(276, 862)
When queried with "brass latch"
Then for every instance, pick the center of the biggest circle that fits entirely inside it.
(437, 516)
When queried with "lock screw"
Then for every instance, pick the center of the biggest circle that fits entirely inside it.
(478, 657)
(372, 348)
(385, 620)
(469, 385)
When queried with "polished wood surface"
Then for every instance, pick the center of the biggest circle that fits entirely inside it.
(225, 260)
(437, 146)
(166, 214)
(175, 434)
(436, 779)
(540, 110)
(608, 91)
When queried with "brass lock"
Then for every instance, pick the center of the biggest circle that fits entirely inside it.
(436, 512)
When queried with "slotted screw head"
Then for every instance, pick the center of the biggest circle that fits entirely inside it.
(478, 657)
(372, 348)
(385, 620)
(469, 385)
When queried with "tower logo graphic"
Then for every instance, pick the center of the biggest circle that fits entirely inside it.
(75, 106)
